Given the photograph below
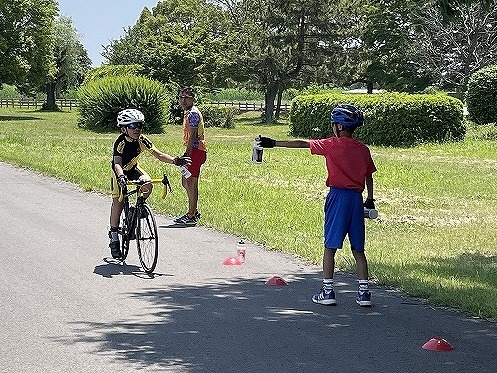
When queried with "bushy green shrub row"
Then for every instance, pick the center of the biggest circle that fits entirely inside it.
(482, 96)
(391, 119)
(218, 116)
(102, 98)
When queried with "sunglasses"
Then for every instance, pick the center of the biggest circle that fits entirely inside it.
(185, 97)
(135, 125)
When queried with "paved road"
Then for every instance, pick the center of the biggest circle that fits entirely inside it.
(65, 307)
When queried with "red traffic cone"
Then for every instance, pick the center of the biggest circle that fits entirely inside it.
(438, 344)
(232, 261)
(276, 281)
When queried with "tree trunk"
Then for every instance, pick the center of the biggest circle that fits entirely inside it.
(269, 96)
(50, 104)
(369, 86)
(278, 104)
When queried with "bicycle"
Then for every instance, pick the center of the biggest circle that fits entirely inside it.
(138, 223)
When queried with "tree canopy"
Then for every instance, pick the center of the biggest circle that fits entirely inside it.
(273, 45)
(26, 42)
(179, 41)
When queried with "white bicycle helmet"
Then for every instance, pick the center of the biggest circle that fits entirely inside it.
(127, 116)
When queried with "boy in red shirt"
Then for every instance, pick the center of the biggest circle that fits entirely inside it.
(350, 169)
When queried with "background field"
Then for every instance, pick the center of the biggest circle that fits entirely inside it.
(435, 237)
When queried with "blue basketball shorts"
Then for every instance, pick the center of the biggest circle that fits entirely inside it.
(344, 215)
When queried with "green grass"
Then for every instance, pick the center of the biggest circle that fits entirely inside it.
(435, 237)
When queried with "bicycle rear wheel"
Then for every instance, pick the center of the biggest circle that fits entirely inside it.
(147, 241)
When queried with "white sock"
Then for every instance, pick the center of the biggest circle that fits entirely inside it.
(363, 286)
(328, 284)
(114, 236)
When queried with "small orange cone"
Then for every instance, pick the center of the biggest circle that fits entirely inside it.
(438, 344)
(276, 281)
(232, 261)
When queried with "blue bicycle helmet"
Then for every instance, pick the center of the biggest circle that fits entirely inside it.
(347, 116)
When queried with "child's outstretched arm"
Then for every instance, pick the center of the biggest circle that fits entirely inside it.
(267, 142)
(166, 158)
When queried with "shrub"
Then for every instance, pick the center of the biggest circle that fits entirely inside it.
(481, 96)
(101, 99)
(218, 116)
(390, 119)
(9, 92)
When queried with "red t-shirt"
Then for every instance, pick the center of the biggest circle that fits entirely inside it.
(348, 161)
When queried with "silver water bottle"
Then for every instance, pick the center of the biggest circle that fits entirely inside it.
(370, 213)
(257, 151)
(184, 171)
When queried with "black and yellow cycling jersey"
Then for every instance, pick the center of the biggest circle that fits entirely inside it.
(129, 150)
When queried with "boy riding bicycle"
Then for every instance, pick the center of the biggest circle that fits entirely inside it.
(127, 148)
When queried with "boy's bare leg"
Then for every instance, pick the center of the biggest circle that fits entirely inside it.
(329, 263)
(361, 264)
(115, 212)
(191, 187)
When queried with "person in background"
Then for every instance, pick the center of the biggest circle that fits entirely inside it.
(195, 148)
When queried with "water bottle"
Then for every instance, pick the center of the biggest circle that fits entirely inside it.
(257, 152)
(370, 213)
(240, 250)
(185, 172)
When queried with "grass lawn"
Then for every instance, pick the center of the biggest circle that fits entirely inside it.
(435, 237)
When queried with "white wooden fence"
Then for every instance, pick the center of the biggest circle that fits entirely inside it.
(72, 104)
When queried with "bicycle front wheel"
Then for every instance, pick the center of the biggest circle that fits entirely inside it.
(147, 240)
(124, 231)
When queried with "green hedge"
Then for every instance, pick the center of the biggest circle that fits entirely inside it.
(392, 119)
(218, 116)
(101, 99)
(482, 96)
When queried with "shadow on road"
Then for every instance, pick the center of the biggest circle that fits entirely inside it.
(244, 325)
(114, 267)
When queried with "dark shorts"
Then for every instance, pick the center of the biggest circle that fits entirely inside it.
(344, 215)
(198, 159)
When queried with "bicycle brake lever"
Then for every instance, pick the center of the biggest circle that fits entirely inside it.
(165, 182)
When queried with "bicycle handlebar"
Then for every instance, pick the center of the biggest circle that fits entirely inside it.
(164, 181)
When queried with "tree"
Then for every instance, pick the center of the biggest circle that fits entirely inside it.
(274, 44)
(456, 48)
(26, 42)
(180, 41)
(71, 61)
(389, 52)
